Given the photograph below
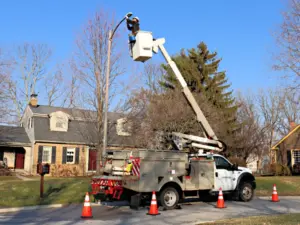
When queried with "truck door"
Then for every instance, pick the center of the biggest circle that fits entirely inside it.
(224, 174)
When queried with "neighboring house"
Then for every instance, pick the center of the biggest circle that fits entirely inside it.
(15, 147)
(288, 149)
(252, 162)
(66, 138)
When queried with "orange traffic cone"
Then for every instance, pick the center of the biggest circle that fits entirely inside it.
(274, 194)
(86, 210)
(220, 202)
(153, 211)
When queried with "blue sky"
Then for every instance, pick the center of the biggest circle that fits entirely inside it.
(240, 31)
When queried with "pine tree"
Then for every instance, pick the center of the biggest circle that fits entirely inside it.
(200, 69)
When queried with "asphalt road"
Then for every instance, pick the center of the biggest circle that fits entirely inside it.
(191, 213)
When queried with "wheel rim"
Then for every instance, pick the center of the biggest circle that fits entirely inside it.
(247, 192)
(170, 198)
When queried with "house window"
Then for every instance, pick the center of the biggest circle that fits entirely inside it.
(60, 122)
(296, 156)
(70, 156)
(47, 154)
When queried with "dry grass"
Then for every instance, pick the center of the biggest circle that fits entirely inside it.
(286, 186)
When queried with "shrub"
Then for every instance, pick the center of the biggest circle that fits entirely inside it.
(280, 170)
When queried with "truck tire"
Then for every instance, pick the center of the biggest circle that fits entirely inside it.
(246, 192)
(169, 198)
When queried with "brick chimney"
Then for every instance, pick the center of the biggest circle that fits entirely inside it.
(292, 125)
(33, 100)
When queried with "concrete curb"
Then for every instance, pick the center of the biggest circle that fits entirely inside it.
(16, 209)
(280, 197)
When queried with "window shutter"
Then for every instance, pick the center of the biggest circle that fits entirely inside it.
(77, 156)
(40, 154)
(53, 155)
(64, 155)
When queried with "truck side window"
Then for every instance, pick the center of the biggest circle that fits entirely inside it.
(222, 163)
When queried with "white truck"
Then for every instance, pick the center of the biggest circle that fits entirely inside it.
(177, 174)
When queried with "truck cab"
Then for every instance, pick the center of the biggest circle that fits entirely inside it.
(233, 178)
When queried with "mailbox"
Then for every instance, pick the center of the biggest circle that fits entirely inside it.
(43, 168)
(46, 168)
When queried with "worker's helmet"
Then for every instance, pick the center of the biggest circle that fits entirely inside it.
(136, 18)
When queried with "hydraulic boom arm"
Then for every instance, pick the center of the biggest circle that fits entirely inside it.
(209, 133)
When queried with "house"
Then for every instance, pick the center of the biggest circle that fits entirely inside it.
(287, 149)
(63, 137)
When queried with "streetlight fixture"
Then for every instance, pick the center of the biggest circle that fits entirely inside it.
(110, 37)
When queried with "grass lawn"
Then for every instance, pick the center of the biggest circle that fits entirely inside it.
(8, 178)
(15, 193)
(287, 219)
(286, 186)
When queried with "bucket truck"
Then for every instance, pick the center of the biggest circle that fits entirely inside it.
(174, 175)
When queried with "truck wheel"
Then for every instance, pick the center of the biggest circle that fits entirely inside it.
(246, 192)
(169, 198)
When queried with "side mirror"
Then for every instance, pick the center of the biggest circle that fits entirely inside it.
(234, 166)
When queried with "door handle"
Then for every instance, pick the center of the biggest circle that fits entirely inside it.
(216, 174)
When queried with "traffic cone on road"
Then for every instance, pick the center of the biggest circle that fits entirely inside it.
(153, 211)
(274, 194)
(87, 209)
(220, 202)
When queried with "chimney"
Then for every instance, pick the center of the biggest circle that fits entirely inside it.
(33, 100)
(292, 125)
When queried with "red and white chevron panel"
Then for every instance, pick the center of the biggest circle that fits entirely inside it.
(136, 167)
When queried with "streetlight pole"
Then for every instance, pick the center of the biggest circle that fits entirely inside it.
(106, 94)
(110, 37)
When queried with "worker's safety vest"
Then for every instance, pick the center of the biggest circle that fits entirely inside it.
(129, 167)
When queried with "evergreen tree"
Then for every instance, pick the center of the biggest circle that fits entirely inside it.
(200, 69)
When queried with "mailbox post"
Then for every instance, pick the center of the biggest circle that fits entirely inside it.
(42, 169)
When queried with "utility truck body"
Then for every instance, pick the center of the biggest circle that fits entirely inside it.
(174, 175)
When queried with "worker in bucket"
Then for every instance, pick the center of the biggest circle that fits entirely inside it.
(134, 26)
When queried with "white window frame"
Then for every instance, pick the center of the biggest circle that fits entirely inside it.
(69, 150)
(296, 156)
(48, 149)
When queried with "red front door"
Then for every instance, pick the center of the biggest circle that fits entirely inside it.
(20, 160)
(92, 159)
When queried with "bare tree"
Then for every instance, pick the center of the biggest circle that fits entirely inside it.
(31, 61)
(269, 104)
(154, 76)
(288, 39)
(71, 98)
(160, 114)
(5, 69)
(289, 111)
(250, 138)
(89, 64)
(53, 86)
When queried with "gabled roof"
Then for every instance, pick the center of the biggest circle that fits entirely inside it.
(13, 136)
(81, 128)
(285, 137)
(74, 112)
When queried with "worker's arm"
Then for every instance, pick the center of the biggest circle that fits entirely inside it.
(128, 22)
